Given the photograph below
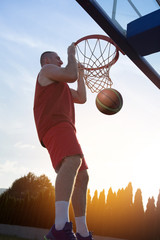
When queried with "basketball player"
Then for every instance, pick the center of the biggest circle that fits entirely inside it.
(55, 123)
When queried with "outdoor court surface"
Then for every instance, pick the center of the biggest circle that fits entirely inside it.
(33, 233)
(106, 238)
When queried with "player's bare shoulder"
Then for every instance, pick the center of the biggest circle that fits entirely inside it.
(43, 77)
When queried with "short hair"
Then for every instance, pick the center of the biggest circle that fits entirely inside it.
(43, 56)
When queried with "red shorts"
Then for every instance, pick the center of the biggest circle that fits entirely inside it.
(61, 142)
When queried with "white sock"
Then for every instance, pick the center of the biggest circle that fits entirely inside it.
(61, 214)
(81, 226)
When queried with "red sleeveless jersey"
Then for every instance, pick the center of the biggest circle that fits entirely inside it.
(52, 104)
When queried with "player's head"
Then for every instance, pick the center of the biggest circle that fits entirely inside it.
(50, 58)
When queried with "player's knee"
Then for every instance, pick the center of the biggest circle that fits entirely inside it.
(85, 177)
(73, 162)
(82, 178)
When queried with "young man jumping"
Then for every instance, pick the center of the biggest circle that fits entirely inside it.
(55, 122)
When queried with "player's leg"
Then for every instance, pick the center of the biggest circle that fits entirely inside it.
(62, 229)
(63, 188)
(79, 193)
(79, 198)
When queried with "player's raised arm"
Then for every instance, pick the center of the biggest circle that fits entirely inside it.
(52, 70)
(79, 95)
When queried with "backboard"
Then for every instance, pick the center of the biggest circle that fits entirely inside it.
(132, 25)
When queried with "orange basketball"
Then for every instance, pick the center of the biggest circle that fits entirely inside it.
(109, 101)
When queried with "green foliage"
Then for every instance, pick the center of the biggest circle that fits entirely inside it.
(29, 184)
(30, 202)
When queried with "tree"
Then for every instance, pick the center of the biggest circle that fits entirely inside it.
(101, 214)
(150, 219)
(111, 211)
(94, 211)
(89, 209)
(125, 204)
(158, 217)
(29, 184)
(29, 202)
(129, 195)
(138, 216)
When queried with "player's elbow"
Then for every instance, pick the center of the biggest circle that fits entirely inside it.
(73, 77)
(83, 99)
(71, 74)
(80, 99)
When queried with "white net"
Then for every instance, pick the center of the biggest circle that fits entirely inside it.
(97, 55)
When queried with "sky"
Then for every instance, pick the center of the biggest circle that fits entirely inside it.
(119, 149)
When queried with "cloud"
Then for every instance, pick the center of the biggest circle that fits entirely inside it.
(21, 39)
(22, 145)
(12, 167)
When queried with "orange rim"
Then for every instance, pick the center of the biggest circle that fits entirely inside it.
(105, 38)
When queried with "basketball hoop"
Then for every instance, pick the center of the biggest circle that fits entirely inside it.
(97, 53)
